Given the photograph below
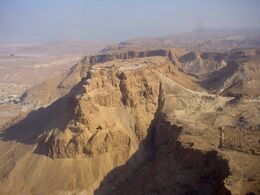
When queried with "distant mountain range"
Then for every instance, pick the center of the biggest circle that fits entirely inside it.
(199, 40)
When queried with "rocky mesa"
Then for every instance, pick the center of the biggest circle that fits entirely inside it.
(137, 122)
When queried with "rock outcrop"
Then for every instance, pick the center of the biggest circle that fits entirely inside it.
(128, 94)
(47, 92)
(202, 64)
(133, 124)
(101, 58)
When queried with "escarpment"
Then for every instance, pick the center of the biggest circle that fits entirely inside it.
(47, 92)
(172, 166)
(114, 111)
(201, 64)
(126, 91)
(173, 169)
(101, 58)
(126, 111)
(234, 73)
(135, 124)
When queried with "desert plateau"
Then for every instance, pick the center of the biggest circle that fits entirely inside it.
(175, 114)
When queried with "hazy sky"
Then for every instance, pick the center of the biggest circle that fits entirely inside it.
(116, 20)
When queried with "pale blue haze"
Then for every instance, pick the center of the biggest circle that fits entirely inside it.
(116, 20)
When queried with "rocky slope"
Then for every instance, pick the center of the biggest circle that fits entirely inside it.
(134, 123)
(201, 64)
(239, 77)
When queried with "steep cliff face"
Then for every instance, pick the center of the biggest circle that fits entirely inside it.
(113, 112)
(173, 165)
(201, 64)
(105, 117)
(130, 55)
(232, 73)
(194, 147)
(47, 92)
(240, 76)
(114, 109)
(134, 125)
(173, 169)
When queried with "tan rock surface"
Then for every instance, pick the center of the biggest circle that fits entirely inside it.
(134, 125)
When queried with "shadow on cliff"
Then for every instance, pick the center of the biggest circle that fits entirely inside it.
(57, 115)
(217, 79)
(162, 165)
